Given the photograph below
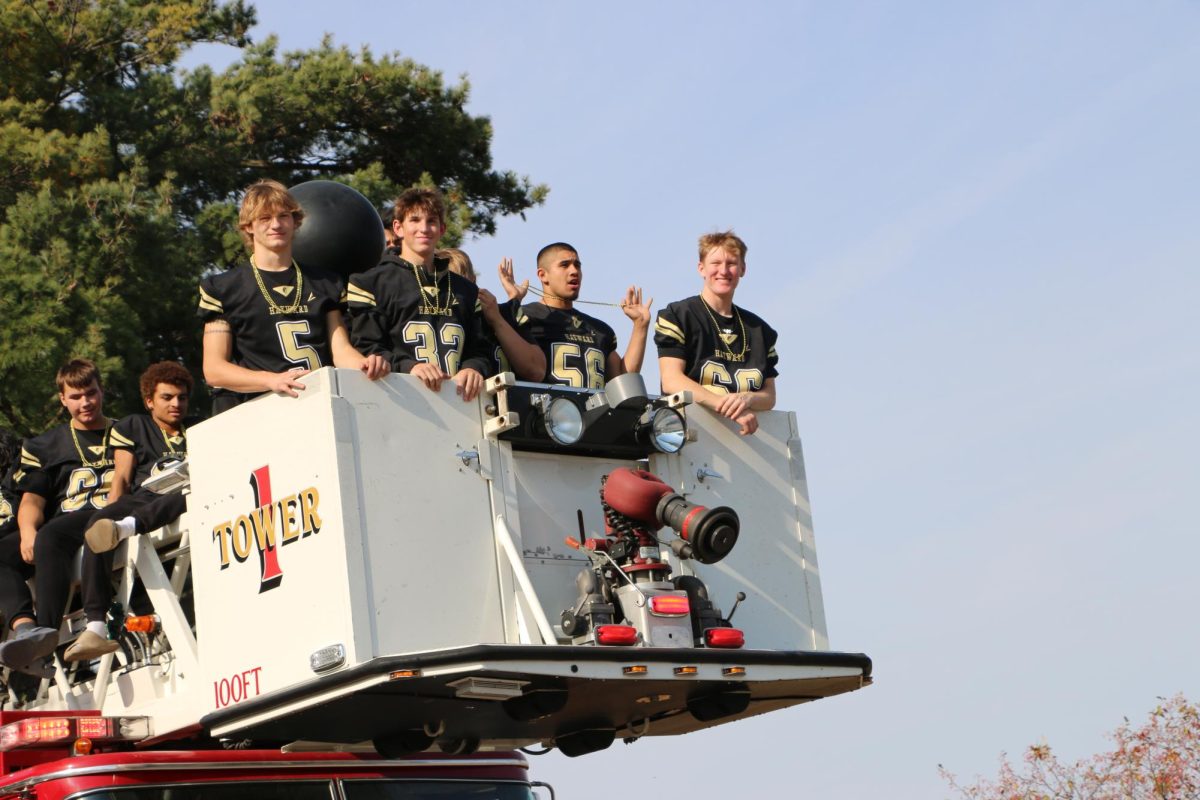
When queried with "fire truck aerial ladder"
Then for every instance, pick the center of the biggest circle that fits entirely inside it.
(377, 563)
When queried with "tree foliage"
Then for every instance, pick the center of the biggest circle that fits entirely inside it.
(1158, 761)
(119, 172)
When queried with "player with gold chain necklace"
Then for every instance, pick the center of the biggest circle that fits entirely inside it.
(411, 310)
(268, 317)
(65, 475)
(724, 354)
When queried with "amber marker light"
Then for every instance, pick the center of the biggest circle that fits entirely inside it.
(733, 672)
(400, 674)
(685, 671)
(634, 669)
(82, 747)
(147, 623)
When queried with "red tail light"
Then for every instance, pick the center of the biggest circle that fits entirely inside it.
(95, 727)
(669, 605)
(724, 637)
(616, 634)
(45, 730)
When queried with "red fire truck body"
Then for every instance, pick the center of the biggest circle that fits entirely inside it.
(50, 770)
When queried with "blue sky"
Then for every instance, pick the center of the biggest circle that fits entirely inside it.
(974, 226)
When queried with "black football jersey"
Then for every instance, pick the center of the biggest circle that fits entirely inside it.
(142, 436)
(576, 344)
(71, 472)
(408, 316)
(276, 338)
(10, 498)
(512, 314)
(729, 354)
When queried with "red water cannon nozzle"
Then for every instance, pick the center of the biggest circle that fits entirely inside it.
(708, 534)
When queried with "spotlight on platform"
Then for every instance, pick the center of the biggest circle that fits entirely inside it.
(618, 421)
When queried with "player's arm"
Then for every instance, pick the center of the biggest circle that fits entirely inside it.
(374, 366)
(675, 379)
(764, 398)
(614, 366)
(639, 313)
(370, 334)
(124, 465)
(672, 372)
(739, 407)
(30, 516)
(476, 361)
(526, 358)
(221, 372)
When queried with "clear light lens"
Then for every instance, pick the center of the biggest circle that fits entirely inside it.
(564, 421)
(668, 431)
(327, 658)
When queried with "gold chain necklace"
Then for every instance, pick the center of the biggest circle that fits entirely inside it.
(438, 309)
(542, 294)
(167, 438)
(82, 458)
(720, 334)
(262, 287)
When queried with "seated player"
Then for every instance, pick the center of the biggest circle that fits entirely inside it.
(721, 353)
(64, 476)
(269, 322)
(412, 311)
(511, 352)
(10, 460)
(15, 599)
(140, 442)
(581, 351)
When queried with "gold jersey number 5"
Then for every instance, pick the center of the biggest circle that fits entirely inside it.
(302, 355)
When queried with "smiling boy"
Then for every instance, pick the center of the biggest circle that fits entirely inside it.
(415, 313)
(141, 443)
(269, 322)
(723, 354)
(64, 476)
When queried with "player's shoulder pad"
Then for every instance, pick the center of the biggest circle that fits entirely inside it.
(534, 310)
(360, 288)
(211, 289)
(126, 431)
(39, 449)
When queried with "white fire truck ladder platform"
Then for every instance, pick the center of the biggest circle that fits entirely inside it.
(523, 694)
(375, 561)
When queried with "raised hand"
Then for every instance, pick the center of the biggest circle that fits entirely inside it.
(634, 308)
(514, 290)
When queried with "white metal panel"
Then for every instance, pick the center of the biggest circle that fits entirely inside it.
(551, 490)
(428, 559)
(256, 637)
(774, 563)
